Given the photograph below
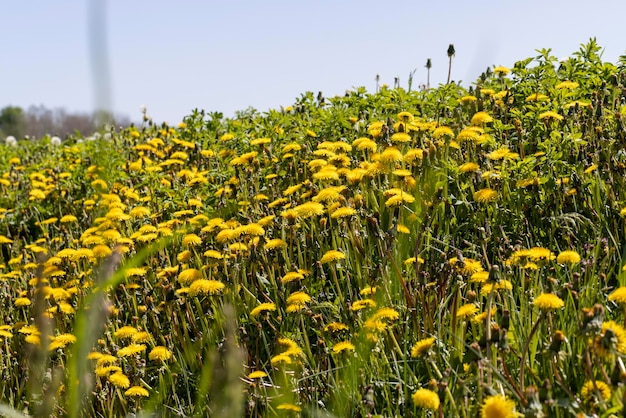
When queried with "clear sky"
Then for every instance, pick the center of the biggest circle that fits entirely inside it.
(177, 55)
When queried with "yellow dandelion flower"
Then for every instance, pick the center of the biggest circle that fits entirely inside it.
(590, 169)
(141, 337)
(298, 298)
(327, 173)
(188, 276)
(239, 247)
(125, 332)
(468, 167)
(105, 371)
(481, 317)
(400, 137)
(343, 212)
(375, 325)
(292, 189)
(266, 221)
(120, 380)
(68, 219)
(365, 144)
(402, 229)
(295, 307)
(362, 304)
(257, 374)
(411, 261)
(131, 350)
(568, 257)
(540, 254)
(263, 307)
(205, 287)
(275, 243)
(485, 195)
(390, 155)
(139, 212)
(191, 240)
(480, 118)
(588, 391)
(567, 85)
(548, 302)
(550, 115)
(105, 360)
(21, 302)
(618, 295)
(253, 229)
(386, 313)
(61, 341)
(328, 194)
(33, 339)
(612, 339)
(466, 311)
(332, 256)
(499, 154)
(413, 155)
(343, 346)
(135, 272)
(421, 347)
(468, 135)
(289, 407)
(399, 200)
(468, 266)
(402, 172)
(291, 276)
(136, 391)
(5, 332)
(405, 117)
(160, 353)
(309, 209)
(281, 359)
(213, 254)
(537, 97)
(501, 71)
(468, 99)
(442, 132)
(486, 289)
(375, 129)
(336, 327)
(577, 104)
(101, 251)
(427, 399)
(498, 406)
(479, 277)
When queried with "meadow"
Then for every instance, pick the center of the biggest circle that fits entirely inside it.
(450, 252)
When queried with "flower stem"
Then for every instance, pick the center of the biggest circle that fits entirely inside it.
(525, 349)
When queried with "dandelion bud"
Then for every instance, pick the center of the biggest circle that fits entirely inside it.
(557, 340)
(451, 50)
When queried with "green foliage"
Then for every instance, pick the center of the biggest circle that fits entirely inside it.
(437, 252)
(11, 122)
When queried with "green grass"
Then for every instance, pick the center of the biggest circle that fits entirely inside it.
(390, 242)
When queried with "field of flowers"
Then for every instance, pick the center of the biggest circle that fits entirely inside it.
(450, 252)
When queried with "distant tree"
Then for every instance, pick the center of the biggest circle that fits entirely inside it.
(40, 121)
(12, 122)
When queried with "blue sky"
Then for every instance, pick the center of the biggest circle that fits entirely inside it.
(174, 56)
